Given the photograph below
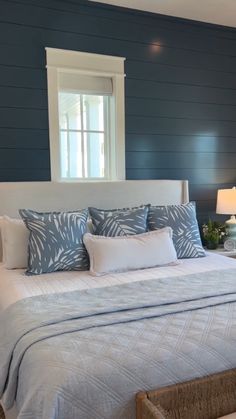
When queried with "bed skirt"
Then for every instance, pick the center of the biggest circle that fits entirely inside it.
(205, 398)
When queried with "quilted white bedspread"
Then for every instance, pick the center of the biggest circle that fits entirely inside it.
(84, 365)
(85, 354)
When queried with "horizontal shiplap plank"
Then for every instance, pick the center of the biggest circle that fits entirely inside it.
(23, 98)
(23, 77)
(172, 126)
(180, 75)
(24, 159)
(180, 143)
(173, 91)
(205, 192)
(22, 55)
(170, 160)
(24, 139)
(178, 109)
(195, 176)
(23, 118)
(24, 175)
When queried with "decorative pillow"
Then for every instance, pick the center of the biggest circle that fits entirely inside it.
(119, 222)
(15, 237)
(117, 254)
(56, 241)
(182, 220)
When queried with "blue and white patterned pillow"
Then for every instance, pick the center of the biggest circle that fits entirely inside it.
(182, 220)
(56, 241)
(119, 222)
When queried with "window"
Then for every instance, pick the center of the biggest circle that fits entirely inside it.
(86, 116)
(84, 133)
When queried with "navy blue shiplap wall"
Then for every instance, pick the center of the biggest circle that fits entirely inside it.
(180, 91)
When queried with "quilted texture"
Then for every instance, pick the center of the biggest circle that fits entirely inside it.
(182, 220)
(56, 241)
(119, 222)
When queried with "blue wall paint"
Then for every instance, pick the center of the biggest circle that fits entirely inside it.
(180, 90)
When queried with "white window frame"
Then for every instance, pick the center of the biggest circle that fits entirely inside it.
(93, 65)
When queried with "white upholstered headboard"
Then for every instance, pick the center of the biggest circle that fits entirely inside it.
(53, 196)
(48, 196)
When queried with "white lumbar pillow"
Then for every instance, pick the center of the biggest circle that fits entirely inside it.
(15, 237)
(124, 253)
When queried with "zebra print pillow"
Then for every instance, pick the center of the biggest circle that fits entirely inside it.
(56, 241)
(119, 222)
(182, 220)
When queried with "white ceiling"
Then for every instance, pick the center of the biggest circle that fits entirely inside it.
(222, 12)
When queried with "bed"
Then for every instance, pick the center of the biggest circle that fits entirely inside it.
(79, 346)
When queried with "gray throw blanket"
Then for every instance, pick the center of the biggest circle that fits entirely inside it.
(84, 354)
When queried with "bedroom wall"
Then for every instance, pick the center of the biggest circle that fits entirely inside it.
(180, 91)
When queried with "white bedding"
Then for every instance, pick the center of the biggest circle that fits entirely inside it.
(15, 285)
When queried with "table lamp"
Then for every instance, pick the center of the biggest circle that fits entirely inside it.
(226, 204)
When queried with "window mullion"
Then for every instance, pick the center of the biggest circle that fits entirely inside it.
(68, 146)
(106, 141)
(82, 134)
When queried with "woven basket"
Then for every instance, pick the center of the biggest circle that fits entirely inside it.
(205, 398)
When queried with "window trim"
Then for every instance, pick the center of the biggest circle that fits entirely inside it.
(59, 60)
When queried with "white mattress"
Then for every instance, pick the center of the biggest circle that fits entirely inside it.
(15, 285)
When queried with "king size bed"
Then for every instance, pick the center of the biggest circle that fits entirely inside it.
(74, 345)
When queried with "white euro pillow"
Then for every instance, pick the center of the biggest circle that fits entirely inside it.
(15, 237)
(124, 253)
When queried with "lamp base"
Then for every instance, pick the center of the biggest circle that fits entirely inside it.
(231, 227)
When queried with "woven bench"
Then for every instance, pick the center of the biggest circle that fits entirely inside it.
(210, 397)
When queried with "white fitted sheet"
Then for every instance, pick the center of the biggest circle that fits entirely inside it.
(15, 285)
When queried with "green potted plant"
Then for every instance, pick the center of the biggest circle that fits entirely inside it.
(213, 233)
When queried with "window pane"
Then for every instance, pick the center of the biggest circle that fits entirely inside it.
(95, 162)
(93, 115)
(75, 153)
(71, 154)
(64, 154)
(63, 121)
(70, 110)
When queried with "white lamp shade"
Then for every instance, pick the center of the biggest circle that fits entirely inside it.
(226, 201)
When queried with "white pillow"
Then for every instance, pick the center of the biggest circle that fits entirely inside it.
(15, 237)
(124, 253)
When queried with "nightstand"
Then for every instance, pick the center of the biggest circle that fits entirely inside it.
(221, 251)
